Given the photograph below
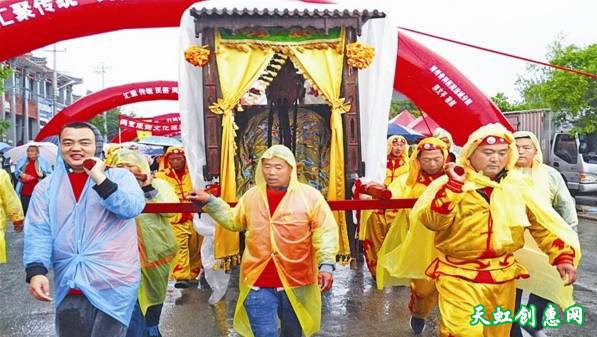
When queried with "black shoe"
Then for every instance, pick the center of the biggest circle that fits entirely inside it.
(417, 324)
(181, 284)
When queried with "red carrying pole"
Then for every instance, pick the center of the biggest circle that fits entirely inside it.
(335, 205)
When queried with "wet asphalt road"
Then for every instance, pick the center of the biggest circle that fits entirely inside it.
(353, 308)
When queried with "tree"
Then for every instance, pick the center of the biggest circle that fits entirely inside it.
(506, 104)
(398, 106)
(112, 123)
(5, 72)
(572, 97)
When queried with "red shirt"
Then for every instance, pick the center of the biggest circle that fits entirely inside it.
(269, 276)
(77, 182)
(28, 187)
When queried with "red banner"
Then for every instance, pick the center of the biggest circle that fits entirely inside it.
(158, 125)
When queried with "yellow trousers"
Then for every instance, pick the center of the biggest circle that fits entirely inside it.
(187, 262)
(374, 234)
(458, 299)
(423, 297)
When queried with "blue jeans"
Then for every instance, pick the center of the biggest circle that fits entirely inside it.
(264, 306)
(137, 325)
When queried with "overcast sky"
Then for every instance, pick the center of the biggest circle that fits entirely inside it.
(520, 27)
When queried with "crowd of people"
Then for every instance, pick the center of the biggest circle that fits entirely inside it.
(481, 215)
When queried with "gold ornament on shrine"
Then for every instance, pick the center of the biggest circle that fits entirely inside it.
(197, 55)
(358, 55)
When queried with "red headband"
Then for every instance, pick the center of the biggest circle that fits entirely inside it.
(399, 140)
(429, 147)
(493, 140)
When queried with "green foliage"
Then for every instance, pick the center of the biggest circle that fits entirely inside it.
(505, 103)
(112, 116)
(4, 126)
(5, 72)
(398, 106)
(572, 97)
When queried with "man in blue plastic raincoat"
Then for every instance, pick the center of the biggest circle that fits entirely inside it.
(81, 223)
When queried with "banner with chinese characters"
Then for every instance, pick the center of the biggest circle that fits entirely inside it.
(157, 125)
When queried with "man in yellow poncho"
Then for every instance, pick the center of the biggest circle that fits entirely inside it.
(397, 162)
(479, 219)
(187, 265)
(290, 248)
(549, 184)
(10, 208)
(157, 245)
(374, 224)
(426, 165)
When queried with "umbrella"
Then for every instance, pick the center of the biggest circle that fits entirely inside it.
(47, 151)
(4, 147)
(160, 141)
(410, 134)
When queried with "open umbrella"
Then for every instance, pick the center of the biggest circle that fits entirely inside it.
(4, 147)
(160, 141)
(47, 151)
(410, 134)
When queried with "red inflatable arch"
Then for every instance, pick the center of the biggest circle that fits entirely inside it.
(90, 106)
(25, 26)
(427, 79)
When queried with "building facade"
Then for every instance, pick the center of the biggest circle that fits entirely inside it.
(28, 101)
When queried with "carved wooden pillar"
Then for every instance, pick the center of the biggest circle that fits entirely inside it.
(352, 133)
(212, 122)
(352, 139)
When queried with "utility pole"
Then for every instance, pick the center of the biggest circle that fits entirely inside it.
(55, 77)
(102, 70)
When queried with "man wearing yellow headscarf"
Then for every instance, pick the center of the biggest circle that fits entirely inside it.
(549, 184)
(290, 248)
(374, 224)
(187, 265)
(426, 164)
(156, 241)
(479, 217)
(446, 137)
(397, 162)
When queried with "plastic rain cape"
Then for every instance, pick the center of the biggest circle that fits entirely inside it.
(157, 244)
(90, 244)
(306, 299)
(549, 183)
(10, 209)
(395, 263)
(508, 201)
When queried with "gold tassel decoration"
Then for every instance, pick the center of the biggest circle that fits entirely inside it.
(358, 55)
(197, 55)
(276, 66)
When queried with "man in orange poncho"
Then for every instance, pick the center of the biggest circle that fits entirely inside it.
(290, 248)
(187, 264)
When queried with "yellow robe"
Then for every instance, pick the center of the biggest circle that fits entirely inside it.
(10, 209)
(187, 263)
(477, 237)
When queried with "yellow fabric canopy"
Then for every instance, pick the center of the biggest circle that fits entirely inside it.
(237, 70)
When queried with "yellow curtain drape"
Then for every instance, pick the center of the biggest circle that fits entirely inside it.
(237, 70)
(323, 68)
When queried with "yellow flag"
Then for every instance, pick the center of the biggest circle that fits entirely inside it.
(143, 134)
